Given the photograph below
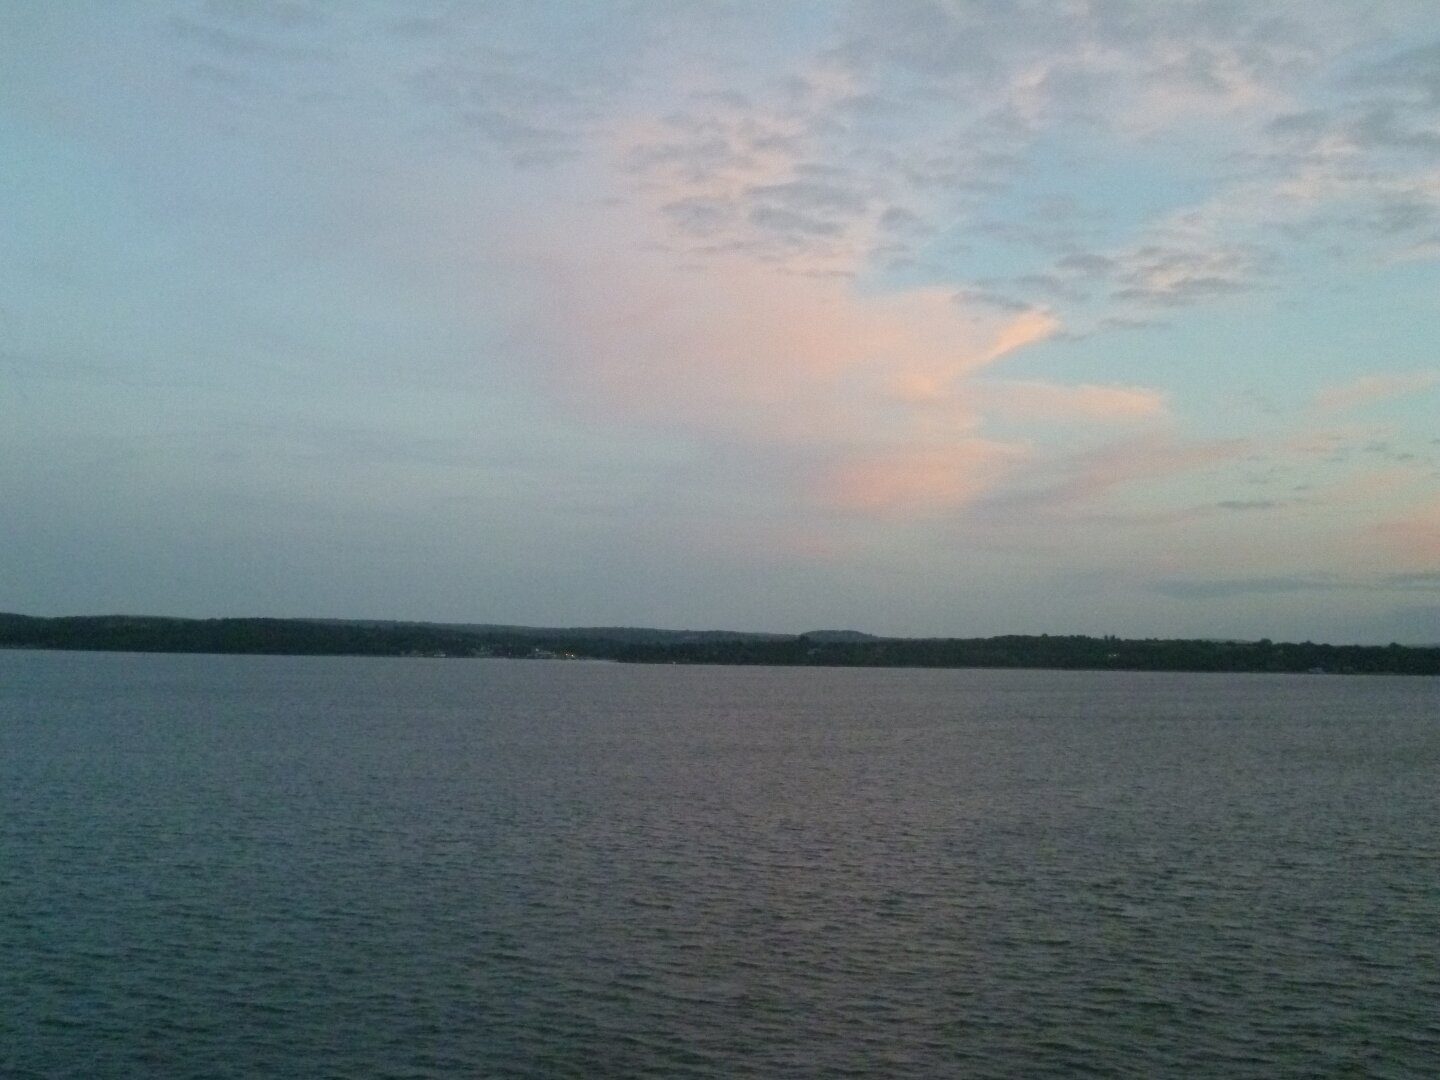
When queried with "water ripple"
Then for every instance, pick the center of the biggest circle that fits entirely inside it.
(231, 867)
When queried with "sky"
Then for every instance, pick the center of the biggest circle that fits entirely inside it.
(918, 317)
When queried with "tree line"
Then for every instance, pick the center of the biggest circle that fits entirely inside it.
(307, 637)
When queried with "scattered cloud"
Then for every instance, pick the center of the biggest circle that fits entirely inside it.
(1174, 276)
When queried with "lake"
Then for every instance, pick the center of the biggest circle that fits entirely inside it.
(228, 866)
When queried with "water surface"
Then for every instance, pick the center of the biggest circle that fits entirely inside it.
(336, 867)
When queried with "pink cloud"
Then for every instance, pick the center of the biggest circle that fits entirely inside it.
(1411, 542)
(1147, 458)
(1370, 389)
(743, 351)
(861, 403)
(1083, 484)
(917, 479)
(865, 401)
(1033, 399)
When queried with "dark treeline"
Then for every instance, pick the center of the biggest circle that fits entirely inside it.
(1062, 652)
(823, 649)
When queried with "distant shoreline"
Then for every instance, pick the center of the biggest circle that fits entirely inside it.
(827, 648)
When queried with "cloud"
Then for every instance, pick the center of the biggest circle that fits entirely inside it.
(1033, 399)
(863, 401)
(970, 295)
(894, 124)
(791, 228)
(1229, 588)
(709, 285)
(1410, 539)
(917, 479)
(739, 353)
(1174, 276)
(1413, 73)
(1052, 495)
(1371, 389)
(1251, 504)
(897, 125)
(761, 178)
(237, 38)
(1425, 579)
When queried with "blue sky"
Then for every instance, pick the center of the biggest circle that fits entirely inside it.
(941, 317)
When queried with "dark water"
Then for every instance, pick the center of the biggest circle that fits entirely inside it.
(293, 867)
